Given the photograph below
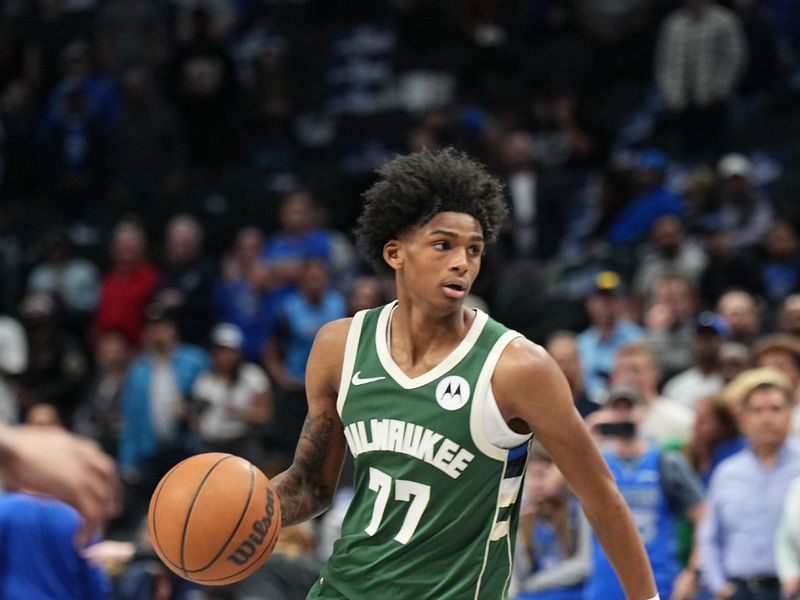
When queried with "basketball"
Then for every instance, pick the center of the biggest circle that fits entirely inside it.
(214, 518)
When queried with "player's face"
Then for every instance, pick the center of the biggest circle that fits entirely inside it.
(440, 260)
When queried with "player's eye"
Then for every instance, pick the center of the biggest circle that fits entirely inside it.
(441, 245)
(475, 250)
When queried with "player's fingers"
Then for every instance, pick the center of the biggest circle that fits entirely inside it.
(101, 473)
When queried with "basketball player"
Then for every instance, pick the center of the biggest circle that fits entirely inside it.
(437, 404)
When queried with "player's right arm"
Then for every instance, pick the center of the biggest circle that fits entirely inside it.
(307, 487)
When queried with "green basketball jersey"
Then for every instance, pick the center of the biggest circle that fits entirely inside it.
(435, 509)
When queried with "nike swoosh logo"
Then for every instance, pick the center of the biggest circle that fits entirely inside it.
(357, 380)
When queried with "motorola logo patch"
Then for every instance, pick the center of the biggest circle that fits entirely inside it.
(452, 392)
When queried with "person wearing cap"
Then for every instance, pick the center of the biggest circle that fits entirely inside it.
(744, 211)
(705, 377)
(232, 399)
(608, 330)
(658, 485)
(737, 535)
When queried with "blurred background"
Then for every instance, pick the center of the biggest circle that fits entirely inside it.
(179, 180)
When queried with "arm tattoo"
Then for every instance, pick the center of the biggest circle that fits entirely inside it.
(300, 488)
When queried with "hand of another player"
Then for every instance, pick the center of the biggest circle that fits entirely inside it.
(65, 466)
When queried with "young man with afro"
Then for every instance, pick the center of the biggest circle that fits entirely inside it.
(437, 404)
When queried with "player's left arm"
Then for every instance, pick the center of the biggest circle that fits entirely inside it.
(532, 391)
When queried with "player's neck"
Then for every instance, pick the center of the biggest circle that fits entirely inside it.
(419, 340)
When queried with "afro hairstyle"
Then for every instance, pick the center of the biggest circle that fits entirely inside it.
(412, 189)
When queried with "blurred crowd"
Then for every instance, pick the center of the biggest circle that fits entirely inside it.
(178, 181)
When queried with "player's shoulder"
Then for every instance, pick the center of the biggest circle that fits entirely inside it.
(522, 353)
(522, 359)
(334, 333)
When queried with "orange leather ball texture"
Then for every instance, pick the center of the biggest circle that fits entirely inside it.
(214, 518)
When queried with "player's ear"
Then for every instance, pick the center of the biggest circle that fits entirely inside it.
(393, 254)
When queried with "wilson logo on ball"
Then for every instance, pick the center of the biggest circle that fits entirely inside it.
(248, 547)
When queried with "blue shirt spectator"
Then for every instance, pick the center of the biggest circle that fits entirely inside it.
(301, 319)
(746, 495)
(654, 200)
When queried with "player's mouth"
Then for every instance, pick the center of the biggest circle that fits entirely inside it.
(455, 290)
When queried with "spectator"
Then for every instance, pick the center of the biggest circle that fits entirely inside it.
(663, 420)
(733, 358)
(43, 414)
(789, 315)
(727, 268)
(608, 330)
(537, 222)
(244, 297)
(151, 149)
(668, 252)
(366, 292)
(204, 88)
(782, 352)
(58, 367)
(155, 433)
(780, 265)
(187, 280)
(300, 316)
(563, 347)
(738, 532)
(740, 312)
(73, 281)
(715, 436)
(128, 286)
(700, 56)
(705, 378)
(652, 200)
(553, 534)
(699, 199)
(232, 401)
(743, 210)
(658, 485)
(99, 415)
(298, 238)
(671, 323)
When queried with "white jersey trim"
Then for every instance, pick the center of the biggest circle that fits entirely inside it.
(383, 347)
(497, 431)
(478, 420)
(349, 362)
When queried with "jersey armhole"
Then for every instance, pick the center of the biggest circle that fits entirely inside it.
(485, 435)
(349, 362)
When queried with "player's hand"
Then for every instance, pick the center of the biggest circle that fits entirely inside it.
(65, 466)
